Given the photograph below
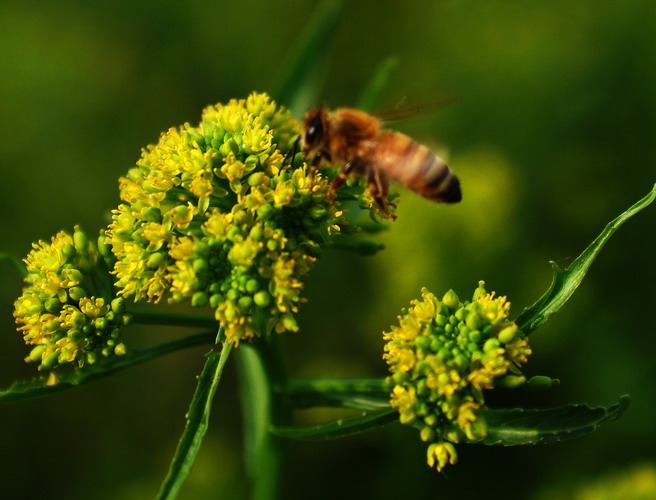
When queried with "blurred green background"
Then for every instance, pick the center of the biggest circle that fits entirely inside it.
(553, 135)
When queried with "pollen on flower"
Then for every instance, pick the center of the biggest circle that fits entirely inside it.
(212, 214)
(68, 310)
(441, 356)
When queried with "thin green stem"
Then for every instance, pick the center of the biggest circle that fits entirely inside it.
(262, 381)
(174, 319)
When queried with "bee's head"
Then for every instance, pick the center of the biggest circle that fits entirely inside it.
(313, 134)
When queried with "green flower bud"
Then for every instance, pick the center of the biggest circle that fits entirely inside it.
(53, 305)
(103, 248)
(200, 265)
(480, 292)
(511, 381)
(474, 320)
(118, 305)
(49, 361)
(68, 251)
(427, 434)
(266, 212)
(507, 335)
(151, 214)
(257, 179)
(78, 319)
(75, 334)
(72, 275)
(289, 323)
(441, 320)
(52, 326)
(245, 302)
(541, 383)
(120, 349)
(155, 260)
(262, 298)
(81, 241)
(252, 285)
(199, 299)
(215, 300)
(37, 352)
(450, 299)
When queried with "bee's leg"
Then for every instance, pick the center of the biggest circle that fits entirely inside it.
(341, 177)
(292, 151)
(314, 165)
(379, 189)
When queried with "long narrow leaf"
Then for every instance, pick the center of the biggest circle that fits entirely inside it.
(197, 422)
(520, 426)
(341, 427)
(47, 385)
(298, 73)
(564, 283)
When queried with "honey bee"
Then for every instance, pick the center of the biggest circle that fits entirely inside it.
(357, 141)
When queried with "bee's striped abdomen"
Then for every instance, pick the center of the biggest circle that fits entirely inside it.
(416, 167)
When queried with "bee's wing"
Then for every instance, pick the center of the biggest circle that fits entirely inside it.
(405, 113)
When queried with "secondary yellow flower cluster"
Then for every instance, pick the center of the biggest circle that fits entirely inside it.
(69, 310)
(442, 356)
(213, 214)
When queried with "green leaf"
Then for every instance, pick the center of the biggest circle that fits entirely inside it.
(302, 67)
(371, 93)
(43, 386)
(564, 283)
(13, 262)
(358, 394)
(197, 422)
(341, 427)
(520, 426)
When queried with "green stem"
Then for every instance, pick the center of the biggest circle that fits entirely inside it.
(262, 383)
(174, 319)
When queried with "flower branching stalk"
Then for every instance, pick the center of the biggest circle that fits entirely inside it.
(442, 356)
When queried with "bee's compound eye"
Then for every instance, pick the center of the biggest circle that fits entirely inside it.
(314, 131)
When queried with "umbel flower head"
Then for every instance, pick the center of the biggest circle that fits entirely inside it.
(213, 214)
(442, 355)
(69, 310)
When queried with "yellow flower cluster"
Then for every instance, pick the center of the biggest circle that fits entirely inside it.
(68, 309)
(442, 356)
(213, 214)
